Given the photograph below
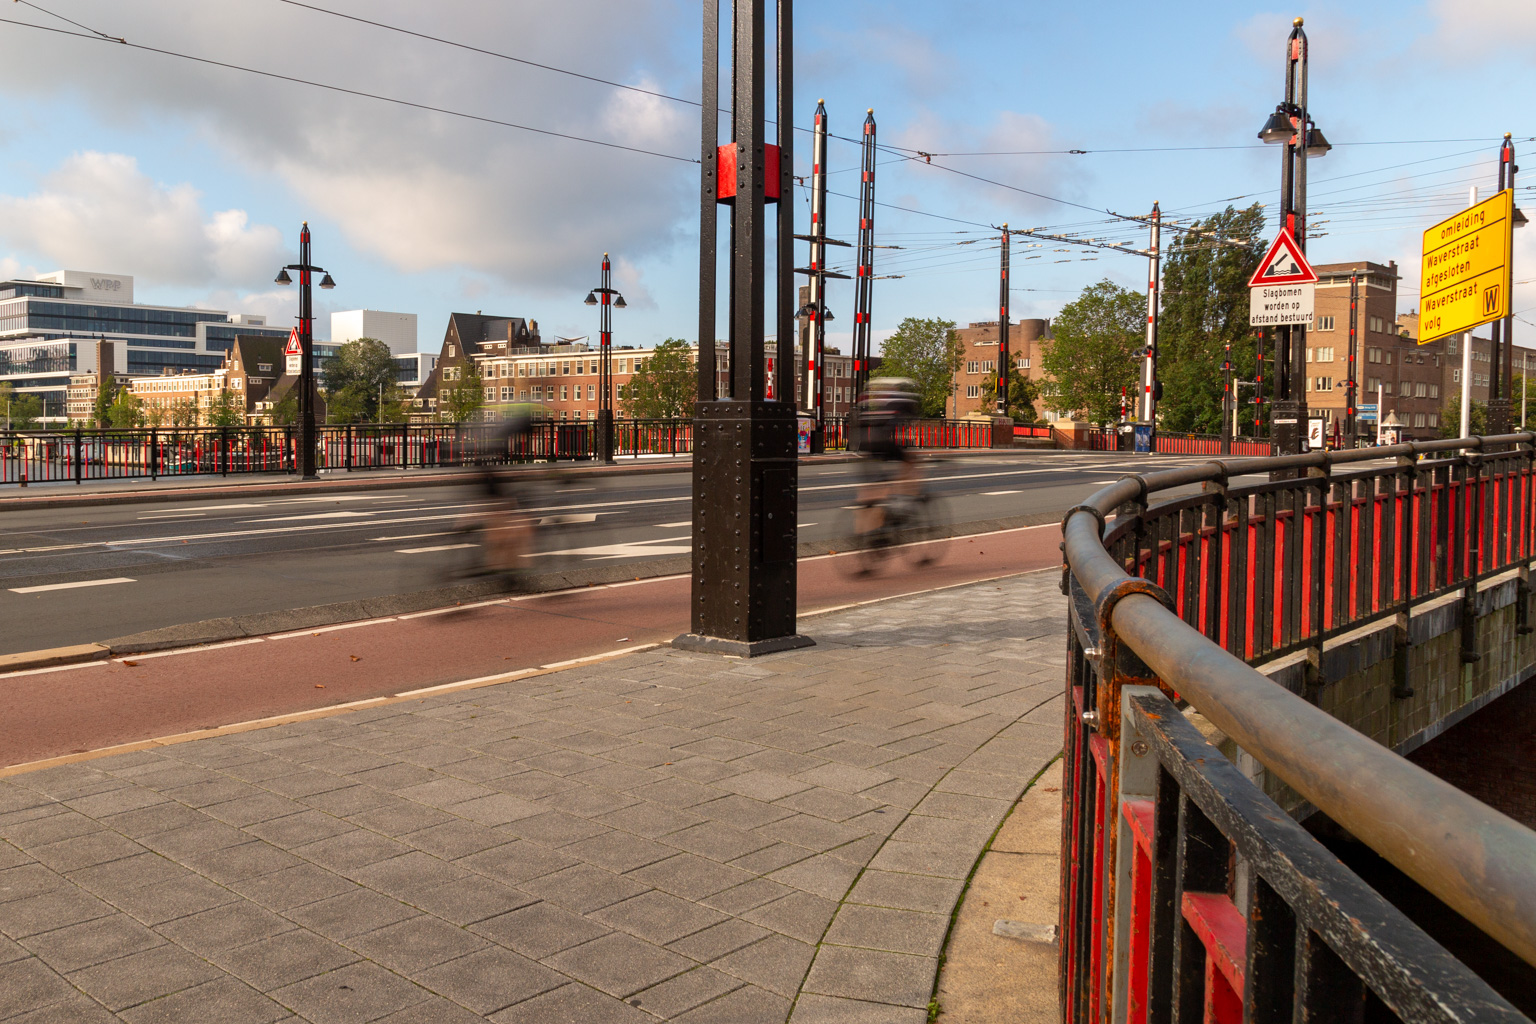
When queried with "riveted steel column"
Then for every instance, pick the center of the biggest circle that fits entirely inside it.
(745, 473)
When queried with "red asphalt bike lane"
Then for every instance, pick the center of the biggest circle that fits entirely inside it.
(55, 712)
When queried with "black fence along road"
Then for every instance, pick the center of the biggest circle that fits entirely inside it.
(80, 455)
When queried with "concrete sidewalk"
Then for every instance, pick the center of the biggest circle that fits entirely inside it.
(660, 836)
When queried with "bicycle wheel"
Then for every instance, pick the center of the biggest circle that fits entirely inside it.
(927, 516)
(863, 548)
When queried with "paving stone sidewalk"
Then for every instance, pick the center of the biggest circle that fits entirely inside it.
(662, 836)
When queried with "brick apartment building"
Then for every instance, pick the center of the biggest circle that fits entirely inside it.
(80, 396)
(1026, 341)
(1409, 375)
(516, 367)
(255, 373)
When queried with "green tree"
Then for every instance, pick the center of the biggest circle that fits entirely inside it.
(285, 411)
(22, 411)
(464, 397)
(226, 410)
(1204, 307)
(126, 410)
(664, 386)
(928, 352)
(1022, 392)
(362, 372)
(184, 413)
(105, 395)
(1094, 354)
(1450, 418)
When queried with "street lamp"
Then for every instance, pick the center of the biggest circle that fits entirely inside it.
(607, 296)
(307, 437)
(1290, 126)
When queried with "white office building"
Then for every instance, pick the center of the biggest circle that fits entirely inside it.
(49, 328)
(397, 330)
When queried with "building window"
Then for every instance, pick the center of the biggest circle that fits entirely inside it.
(591, 392)
(1324, 323)
(1386, 387)
(1434, 419)
(450, 349)
(1418, 419)
(970, 367)
(973, 391)
(1373, 355)
(564, 392)
(988, 365)
(1420, 390)
(1377, 324)
(1434, 391)
(1455, 376)
(490, 394)
(1024, 363)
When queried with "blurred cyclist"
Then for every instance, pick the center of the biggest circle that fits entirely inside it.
(505, 532)
(883, 413)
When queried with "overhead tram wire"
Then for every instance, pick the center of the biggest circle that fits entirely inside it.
(94, 36)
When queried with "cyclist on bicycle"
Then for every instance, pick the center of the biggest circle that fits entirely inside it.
(506, 533)
(883, 413)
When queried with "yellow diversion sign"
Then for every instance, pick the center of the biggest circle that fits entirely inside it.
(1466, 269)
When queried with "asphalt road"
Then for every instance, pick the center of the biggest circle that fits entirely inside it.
(90, 574)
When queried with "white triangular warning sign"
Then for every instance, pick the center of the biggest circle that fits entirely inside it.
(294, 346)
(1283, 264)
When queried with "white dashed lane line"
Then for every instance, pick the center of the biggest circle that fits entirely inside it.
(71, 586)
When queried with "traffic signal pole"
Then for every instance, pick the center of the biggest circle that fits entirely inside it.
(1501, 357)
(1149, 357)
(864, 287)
(1002, 330)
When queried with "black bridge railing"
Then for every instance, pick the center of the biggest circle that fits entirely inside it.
(1187, 894)
(81, 455)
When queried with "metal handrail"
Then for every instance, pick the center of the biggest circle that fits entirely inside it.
(1478, 861)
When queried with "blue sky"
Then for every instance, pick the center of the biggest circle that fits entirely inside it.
(194, 178)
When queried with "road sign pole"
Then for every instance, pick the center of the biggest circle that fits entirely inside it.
(1501, 357)
(1352, 429)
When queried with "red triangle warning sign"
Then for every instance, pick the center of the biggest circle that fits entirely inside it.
(1283, 264)
(294, 346)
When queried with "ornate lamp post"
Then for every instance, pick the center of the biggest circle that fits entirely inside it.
(307, 436)
(608, 297)
(1291, 126)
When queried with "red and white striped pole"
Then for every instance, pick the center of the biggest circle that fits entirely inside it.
(1002, 332)
(1149, 361)
(865, 285)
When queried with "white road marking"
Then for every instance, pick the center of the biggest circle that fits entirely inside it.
(418, 536)
(674, 526)
(188, 650)
(435, 547)
(315, 515)
(70, 586)
(56, 668)
(997, 494)
(329, 629)
(51, 547)
(659, 546)
(171, 515)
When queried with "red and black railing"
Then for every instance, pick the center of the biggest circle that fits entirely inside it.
(1187, 894)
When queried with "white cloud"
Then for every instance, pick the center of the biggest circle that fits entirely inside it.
(1475, 25)
(98, 211)
(417, 189)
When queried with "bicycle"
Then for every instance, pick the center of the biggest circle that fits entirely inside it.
(896, 524)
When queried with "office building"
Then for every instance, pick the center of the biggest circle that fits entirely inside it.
(396, 330)
(49, 328)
